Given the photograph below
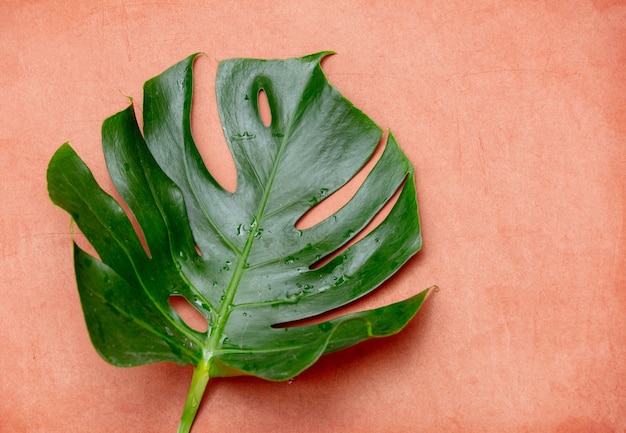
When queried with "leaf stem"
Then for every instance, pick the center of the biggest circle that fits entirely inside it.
(199, 381)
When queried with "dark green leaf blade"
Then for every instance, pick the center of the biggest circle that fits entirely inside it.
(125, 329)
(159, 207)
(99, 216)
(239, 257)
(291, 350)
(134, 285)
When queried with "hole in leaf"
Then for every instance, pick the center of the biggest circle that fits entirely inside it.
(265, 113)
(375, 222)
(394, 291)
(192, 317)
(136, 226)
(206, 127)
(109, 187)
(339, 198)
(81, 240)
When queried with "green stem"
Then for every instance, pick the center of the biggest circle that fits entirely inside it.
(199, 381)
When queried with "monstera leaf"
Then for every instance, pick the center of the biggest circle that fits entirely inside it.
(238, 258)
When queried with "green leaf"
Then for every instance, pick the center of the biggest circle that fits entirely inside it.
(238, 258)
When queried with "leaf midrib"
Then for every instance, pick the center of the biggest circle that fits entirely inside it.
(226, 306)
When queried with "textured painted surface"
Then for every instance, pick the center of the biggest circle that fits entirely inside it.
(513, 114)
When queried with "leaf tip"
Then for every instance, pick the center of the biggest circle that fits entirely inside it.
(429, 291)
(319, 56)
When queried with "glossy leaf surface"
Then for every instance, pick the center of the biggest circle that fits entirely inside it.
(238, 258)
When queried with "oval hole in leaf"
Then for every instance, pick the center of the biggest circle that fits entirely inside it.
(265, 113)
(188, 313)
(206, 127)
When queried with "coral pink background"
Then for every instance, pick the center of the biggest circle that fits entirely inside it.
(513, 114)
